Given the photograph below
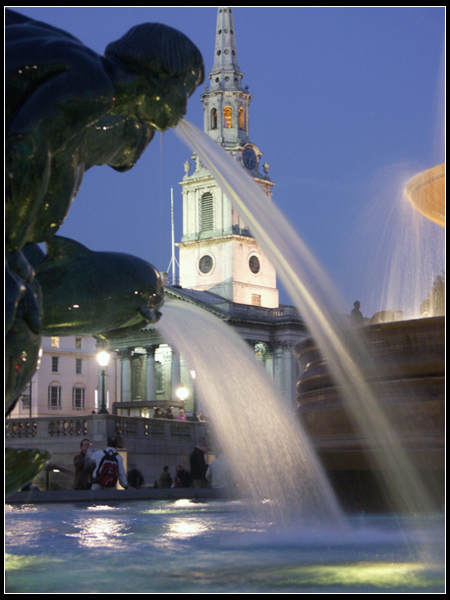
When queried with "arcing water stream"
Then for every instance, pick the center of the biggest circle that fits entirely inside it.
(270, 454)
(311, 291)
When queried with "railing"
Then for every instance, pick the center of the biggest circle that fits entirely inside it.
(246, 311)
(19, 428)
(138, 427)
(126, 427)
(29, 428)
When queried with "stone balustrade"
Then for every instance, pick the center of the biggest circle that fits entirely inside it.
(50, 428)
(148, 444)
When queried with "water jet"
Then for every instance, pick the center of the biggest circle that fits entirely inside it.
(350, 362)
(230, 545)
(408, 373)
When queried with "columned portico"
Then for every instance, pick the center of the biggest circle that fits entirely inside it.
(150, 375)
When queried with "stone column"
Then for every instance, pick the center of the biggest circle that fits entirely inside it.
(100, 389)
(137, 377)
(150, 372)
(176, 375)
(270, 362)
(287, 373)
(278, 366)
(125, 357)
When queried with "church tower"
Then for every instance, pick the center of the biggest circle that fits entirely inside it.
(217, 251)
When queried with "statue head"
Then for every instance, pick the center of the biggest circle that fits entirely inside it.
(163, 68)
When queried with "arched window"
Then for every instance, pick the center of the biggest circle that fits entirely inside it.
(214, 119)
(206, 212)
(241, 118)
(227, 116)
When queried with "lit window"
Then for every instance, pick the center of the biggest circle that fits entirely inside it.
(241, 118)
(55, 342)
(227, 114)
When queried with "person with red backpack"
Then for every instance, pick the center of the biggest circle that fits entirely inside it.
(109, 467)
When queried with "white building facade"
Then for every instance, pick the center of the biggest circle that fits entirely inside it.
(68, 382)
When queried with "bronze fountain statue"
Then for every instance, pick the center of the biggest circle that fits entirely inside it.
(69, 109)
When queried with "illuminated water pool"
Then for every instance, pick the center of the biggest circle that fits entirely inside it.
(214, 547)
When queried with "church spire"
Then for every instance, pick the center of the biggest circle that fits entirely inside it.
(217, 250)
(225, 73)
(225, 102)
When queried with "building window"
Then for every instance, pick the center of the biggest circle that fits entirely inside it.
(206, 212)
(214, 119)
(78, 397)
(241, 118)
(227, 117)
(55, 364)
(54, 396)
(78, 343)
(54, 342)
(256, 300)
(78, 366)
(26, 396)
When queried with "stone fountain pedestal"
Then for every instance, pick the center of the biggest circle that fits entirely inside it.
(410, 386)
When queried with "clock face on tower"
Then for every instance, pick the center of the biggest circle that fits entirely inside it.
(205, 264)
(254, 265)
(249, 158)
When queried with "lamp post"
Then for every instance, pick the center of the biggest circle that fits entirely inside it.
(103, 359)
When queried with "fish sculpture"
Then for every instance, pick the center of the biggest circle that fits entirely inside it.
(105, 294)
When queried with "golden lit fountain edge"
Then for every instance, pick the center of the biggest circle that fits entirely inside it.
(426, 192)
(410, 356)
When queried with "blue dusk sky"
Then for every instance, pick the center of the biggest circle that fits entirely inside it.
(348, 103)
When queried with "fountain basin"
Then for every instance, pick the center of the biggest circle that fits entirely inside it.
(409, 381)
(426, 192)
(192, 547)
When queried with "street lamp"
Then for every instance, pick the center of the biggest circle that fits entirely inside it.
(103, 359)
(182, 393)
